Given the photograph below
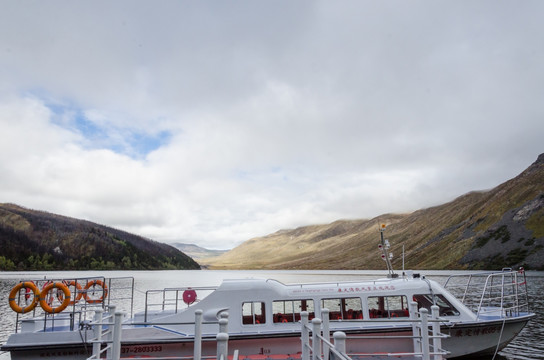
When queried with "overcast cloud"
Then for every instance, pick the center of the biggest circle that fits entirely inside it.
(212, 122)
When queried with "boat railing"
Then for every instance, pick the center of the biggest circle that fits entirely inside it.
(85, 299)
(339, 283)
(426, 337)
(500, 293)
(173, 299)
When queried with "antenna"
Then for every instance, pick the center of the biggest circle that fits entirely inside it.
(386, 255)
(403, 259)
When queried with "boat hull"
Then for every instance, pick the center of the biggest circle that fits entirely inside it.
(465, 339)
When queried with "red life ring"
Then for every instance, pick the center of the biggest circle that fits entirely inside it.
(26, 285)
(189, 296)
(94, 283)
(27, 292)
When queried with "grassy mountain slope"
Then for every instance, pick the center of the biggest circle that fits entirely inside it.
(37, 240)
(489, 229)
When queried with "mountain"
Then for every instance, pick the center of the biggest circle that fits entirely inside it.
(197, 252)
(502, 227)
(37, 240)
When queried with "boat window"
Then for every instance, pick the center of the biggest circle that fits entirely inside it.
(445, 307)
(343, 308)
(387, 306)
(288, 311)
(253, 313)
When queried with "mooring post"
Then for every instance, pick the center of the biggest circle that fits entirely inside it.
(117, 330)
(316, 342)
(415, 327)
(340, 341)
(109, 338)
(222, 345)
(425, 333)
(223, 325)
(437, 341)
(97, 329)
(326, 333)
(197, 346)
(305, 335)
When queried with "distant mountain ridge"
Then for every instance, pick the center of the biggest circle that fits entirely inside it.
(197, 252)
(479, 230)
(38, 240)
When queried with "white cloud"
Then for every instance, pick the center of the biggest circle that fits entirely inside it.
(214, 123)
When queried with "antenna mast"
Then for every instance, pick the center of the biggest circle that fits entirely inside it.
(386, 255)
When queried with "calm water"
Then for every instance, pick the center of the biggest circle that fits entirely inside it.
(528, 345)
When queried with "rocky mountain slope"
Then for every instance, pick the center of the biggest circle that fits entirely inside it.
(502, 227)
(37, 240)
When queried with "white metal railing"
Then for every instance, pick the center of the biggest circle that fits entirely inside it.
(501, 293)
(111, 336)
(80, 309)
(108, 340)
(426, 337)
(172, 298)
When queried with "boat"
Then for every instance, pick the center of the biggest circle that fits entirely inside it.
(479, 314)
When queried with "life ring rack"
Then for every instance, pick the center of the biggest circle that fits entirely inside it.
(44, 297)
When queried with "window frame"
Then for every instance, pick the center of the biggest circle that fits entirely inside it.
(285, 317)
(253, 318)
(344, 313)
(385, 308)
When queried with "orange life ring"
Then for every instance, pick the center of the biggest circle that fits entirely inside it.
(43, 297)
(26, 285)
(93, 283)
(78, 291)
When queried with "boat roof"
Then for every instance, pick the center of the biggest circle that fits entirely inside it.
(402, 285)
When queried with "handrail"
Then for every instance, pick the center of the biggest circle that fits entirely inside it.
(502, 291)
(167, 302)
(320, 346)
(112, 336)
(80, 310)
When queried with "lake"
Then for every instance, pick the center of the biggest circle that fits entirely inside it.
(528, 345)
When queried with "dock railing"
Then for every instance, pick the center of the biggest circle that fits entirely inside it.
(107, 330)
(426, 338)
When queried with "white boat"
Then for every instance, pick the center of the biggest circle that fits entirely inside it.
(264, 315)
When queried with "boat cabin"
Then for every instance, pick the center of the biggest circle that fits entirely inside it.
(255, 305)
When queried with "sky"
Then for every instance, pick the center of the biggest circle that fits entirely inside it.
(213, 122)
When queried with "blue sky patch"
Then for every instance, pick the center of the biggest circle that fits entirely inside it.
(105, 135)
